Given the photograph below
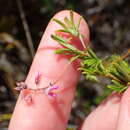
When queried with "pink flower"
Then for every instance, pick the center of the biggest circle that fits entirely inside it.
(27, 92)
(37, 78)
(21, 86)
(28, 99)
(49, 91)
(27, 96)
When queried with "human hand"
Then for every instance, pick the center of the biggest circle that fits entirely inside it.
(48, 112)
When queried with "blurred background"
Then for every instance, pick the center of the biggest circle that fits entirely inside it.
(22, 23)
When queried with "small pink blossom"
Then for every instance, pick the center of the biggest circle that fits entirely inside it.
(37, 78)
(27, 93)
(27, 96)
(21, 86)
(49, 91)
(28, 99)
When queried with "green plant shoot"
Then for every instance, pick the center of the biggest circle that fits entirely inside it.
(116, 68)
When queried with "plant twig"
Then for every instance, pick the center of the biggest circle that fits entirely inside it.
(26, 28)
(117, 69)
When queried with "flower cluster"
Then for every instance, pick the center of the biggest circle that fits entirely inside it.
(27, 92)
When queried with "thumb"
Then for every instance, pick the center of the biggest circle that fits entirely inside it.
(124, 112)
(44, 113)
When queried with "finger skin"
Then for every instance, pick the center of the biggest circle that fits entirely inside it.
(105, 116)
(124, 113)
(46, 114)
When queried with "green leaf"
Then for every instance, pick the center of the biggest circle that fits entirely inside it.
(92, 78)
(79, 21)
(74, 58)
(72, 19)
(63, 30)
(68, 22)
(61, 51)
(63, 42)
(90, 62)
(92, 54)
(116, 88)
(60, 23)
(118, 84)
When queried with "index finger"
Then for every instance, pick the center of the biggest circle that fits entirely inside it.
(43, 113)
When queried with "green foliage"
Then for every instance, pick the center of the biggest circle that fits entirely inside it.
(117, 86)
(70, 129)
(115, 68)
(69, 25)
(120, 71)
(100, 98)
(64, 43)
(5, 117)
(91, 66)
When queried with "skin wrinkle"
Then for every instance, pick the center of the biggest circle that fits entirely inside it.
(59, 56)
(74, 41)
(59, 102)
(74, 64)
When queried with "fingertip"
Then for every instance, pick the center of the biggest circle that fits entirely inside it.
(83, 28)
